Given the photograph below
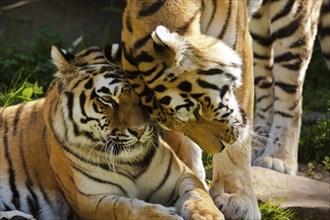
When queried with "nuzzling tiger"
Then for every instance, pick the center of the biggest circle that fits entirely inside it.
(283, 35)
(191, 61)
(88, 150)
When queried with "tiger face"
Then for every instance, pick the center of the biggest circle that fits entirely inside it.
(96, 109)
(188, 84)
(198, 83)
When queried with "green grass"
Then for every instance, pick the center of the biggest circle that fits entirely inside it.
(271, 210)
(316, 91)
(20, 91)
(314, 143)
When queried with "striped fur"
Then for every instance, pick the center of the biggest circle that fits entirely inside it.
(283, 37)
(88, 150)
(191, 64)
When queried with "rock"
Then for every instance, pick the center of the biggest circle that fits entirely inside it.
(309, 198)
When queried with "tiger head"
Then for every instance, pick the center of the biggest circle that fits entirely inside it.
(91, 107)
(188, 83)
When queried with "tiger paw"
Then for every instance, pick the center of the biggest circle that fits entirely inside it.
(157, 211)
(200, 210)
(277, 164)
(15, 215)
(237, 207)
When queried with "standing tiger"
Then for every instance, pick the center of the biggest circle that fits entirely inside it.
(191, 61)
(283, 35)
(88, 150)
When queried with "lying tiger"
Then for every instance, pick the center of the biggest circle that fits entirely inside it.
(88, 150)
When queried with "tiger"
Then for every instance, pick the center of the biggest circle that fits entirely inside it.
(191, 63)
(89, 150)
(283, 35)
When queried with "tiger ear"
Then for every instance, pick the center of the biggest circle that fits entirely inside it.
(61, 59)
(167, 43)
(112, 54)
(175, 49)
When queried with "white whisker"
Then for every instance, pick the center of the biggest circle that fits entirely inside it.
(92, 149)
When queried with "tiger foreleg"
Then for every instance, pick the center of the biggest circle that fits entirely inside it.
(194, 202)
(118, 207)
(188, 151)
(291, 56)
(232, 189)
(263, 80)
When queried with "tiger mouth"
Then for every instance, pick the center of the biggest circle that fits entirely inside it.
(119, 148)
(115, 145)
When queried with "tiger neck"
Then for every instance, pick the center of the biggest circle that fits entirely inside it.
(130, 163)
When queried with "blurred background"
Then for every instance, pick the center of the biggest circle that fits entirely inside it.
(28, 29)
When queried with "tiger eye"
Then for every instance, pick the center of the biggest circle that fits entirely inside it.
(107, 100)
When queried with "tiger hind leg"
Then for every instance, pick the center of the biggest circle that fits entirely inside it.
(292, 49)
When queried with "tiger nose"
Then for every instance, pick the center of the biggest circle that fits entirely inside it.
(137, 132)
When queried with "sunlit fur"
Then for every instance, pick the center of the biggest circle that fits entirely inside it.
(283, 35)
(88, 150)
(181, 59)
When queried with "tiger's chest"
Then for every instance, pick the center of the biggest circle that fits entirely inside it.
(149, 182)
